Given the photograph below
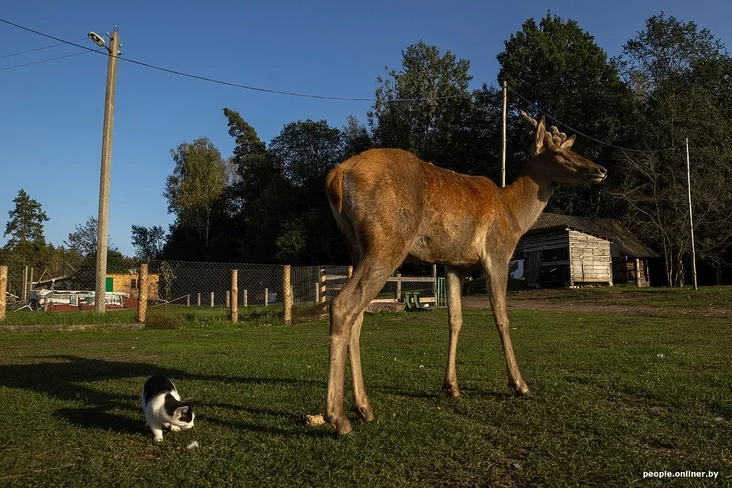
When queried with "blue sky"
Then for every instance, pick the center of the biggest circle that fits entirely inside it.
(51, 113)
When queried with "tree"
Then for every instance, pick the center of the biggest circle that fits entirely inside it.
(307, 150)
(427, 127)
(197, 182)
(254, 165)
(681, 80)
(148, 241)
(557, 66)
(356, 137)
(26, 221)
(83, 241)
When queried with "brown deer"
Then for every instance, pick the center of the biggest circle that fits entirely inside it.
(392, 206)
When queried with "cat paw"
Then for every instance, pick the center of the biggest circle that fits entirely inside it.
(174, 428)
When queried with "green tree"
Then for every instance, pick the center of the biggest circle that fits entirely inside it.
(83, 241)
(26, 221)
(148, 241)
(197, 182)
(307, 150)
(255, 166)
(681, 80)
(428, 127)
(356, 137)
(557, 66)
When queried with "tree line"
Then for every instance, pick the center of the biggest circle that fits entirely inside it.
(632, 113)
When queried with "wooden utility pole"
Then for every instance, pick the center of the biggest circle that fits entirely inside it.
(503, 135)
(104, 178)
(691, 219)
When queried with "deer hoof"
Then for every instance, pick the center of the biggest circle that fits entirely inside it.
(523, 392)
(365, 412)
(452, 390)
(343, 427)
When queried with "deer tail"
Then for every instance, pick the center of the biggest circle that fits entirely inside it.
(334, 187)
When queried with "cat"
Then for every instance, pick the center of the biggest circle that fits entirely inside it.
(163, 407)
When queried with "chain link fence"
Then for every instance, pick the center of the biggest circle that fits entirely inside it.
(198, 284)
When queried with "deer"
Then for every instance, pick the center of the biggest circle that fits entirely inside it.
(391, 207)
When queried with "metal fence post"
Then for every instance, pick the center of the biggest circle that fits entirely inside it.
(142, 288)
(266, 297)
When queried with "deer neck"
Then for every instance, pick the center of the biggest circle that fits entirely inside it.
(526, 198)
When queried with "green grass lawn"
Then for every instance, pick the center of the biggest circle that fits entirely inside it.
(614, 396)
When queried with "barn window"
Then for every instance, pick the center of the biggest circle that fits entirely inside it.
(133, 284)
(558, 254)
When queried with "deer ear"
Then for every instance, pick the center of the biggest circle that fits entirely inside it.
(567, 144)
(540, 136)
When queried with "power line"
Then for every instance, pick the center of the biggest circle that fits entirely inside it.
(37, 49)
(42, 61)
(226, 83)
(306, 95)
(585, 135)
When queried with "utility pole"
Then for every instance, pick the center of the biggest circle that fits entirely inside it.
(691, 219)
(104, 179)
(503, 136)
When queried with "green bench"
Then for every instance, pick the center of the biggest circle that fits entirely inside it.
(411, 300)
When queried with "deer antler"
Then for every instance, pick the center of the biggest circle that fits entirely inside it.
(557, 137)
(532, 122)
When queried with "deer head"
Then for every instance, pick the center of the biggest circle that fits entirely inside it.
(552, 157)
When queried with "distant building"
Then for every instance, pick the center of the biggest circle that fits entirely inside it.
(76, 291)
(561, 250)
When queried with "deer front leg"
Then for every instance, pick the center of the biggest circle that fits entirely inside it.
(360, 401)
(497, 282)
(454, 283)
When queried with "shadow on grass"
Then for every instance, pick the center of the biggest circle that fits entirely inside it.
(66, 378)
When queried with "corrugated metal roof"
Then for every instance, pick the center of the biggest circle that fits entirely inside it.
(623, 241)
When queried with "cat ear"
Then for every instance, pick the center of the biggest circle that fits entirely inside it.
(179, 412)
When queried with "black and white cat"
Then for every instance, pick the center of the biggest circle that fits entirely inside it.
(163, 407)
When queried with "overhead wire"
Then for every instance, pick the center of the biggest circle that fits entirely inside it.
(42, 61)
(222, 82)
(37, 49)
(549, 116)
(306, 95)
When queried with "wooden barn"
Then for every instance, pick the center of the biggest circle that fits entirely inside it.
(561, 250)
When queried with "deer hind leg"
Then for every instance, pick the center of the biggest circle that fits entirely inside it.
(361, 403)
(346, 314)
(454, 283)
(497, 282)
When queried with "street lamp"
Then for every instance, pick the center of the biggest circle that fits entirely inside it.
(104, 178)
